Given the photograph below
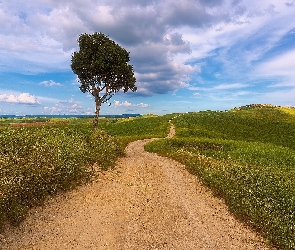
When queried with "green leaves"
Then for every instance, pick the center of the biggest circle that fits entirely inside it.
(102, 67)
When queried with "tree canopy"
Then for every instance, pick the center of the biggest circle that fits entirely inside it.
(102, 68)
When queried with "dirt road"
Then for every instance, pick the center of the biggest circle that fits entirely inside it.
(146, 202)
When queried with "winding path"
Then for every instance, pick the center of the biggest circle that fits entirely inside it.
(146, 202)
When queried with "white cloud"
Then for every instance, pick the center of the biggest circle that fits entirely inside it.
(225, 86)
(279, 97)
(50, 83)
(290, 3)
(66, 107)
(242, 93)
(231, 86)
(237, 44)
(281, 65)
(122, 104)
(24, 98)
(51, 110)
(167, 39)
(49, 30)
(75, 106)
(282, 85)
(142, 105)
(129, 104)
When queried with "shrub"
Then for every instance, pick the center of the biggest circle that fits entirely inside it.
(38, 162)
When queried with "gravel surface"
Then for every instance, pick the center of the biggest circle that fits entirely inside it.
(146, 202)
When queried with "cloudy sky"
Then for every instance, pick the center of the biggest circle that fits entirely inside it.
(188, 55)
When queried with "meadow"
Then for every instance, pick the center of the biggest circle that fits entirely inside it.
(246, 157)
(43, 157)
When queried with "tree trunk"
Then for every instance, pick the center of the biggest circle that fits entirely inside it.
(97, 109)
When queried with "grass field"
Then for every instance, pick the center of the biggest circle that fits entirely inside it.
(248, 158)
(43, 157)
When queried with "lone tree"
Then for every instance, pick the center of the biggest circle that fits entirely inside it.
(102, 68)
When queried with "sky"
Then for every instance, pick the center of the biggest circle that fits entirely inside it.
(188, 55)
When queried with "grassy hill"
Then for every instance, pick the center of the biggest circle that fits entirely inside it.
(247, 156)
(39, 158)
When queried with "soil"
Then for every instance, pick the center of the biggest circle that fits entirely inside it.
(145, 202)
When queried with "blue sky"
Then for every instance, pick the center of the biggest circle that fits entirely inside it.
(188, 55)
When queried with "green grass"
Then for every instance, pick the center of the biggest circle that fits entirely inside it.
(36, 162)
(131, 129)
(248, 158)
(7, 121)
(245, 156)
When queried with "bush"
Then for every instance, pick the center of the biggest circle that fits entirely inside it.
(38, 162)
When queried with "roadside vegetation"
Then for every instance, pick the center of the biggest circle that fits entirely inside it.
(44, 157)
(247, 157)
(132, 129)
